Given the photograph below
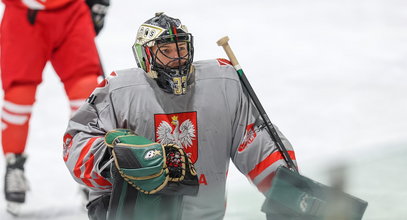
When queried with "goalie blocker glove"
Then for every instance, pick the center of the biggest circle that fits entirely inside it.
(151, 167)
(98, 9)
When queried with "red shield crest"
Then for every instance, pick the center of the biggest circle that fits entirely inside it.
(249, 137)
(180, 129)
(67, 145)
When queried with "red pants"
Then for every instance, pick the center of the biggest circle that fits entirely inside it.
(65, 37)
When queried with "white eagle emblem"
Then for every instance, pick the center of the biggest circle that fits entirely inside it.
(182, 135)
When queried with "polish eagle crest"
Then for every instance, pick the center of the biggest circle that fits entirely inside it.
(182, 135)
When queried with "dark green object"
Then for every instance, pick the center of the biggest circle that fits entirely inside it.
(293, 196)
(128, 203)
(145, 187)
(112, 135)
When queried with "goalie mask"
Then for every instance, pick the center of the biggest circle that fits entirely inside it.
(164, 50)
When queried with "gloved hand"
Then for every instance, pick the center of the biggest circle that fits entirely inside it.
(98, 9)
(149, 166)
(139, 161)
(113, 134)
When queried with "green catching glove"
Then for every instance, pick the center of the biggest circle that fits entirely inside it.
(146, 165)
(140, 162)
(113, 134)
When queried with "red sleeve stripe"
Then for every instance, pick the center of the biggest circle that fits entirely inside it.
(272, 158)
(89, 166)
(77, 170)
(102, 181)
(105, 188)
(265, 184)
(88, 172)
(87, 182)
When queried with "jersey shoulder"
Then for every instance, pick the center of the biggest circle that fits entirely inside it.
(215, 69)
(125, 78)
(120, 79)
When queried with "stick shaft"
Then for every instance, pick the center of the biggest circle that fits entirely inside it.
(245, 82)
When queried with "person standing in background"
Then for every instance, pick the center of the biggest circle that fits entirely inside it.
(34, 32)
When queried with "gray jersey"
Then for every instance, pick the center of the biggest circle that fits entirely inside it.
(214, 122)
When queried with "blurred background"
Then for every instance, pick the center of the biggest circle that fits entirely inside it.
(331, 74)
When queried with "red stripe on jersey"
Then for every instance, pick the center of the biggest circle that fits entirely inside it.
(77, 170)
(87, 182)
(88, 167)
(223, 62)
(105, 188)
(265, 184)
(88, 172)
(102, 181)
(272, 158)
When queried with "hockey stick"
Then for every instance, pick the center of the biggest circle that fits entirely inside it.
(223, 42)
(294, 196)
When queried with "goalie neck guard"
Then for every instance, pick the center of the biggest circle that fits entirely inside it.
(164, 50)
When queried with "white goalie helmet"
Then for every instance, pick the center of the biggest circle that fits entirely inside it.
(161, 30)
